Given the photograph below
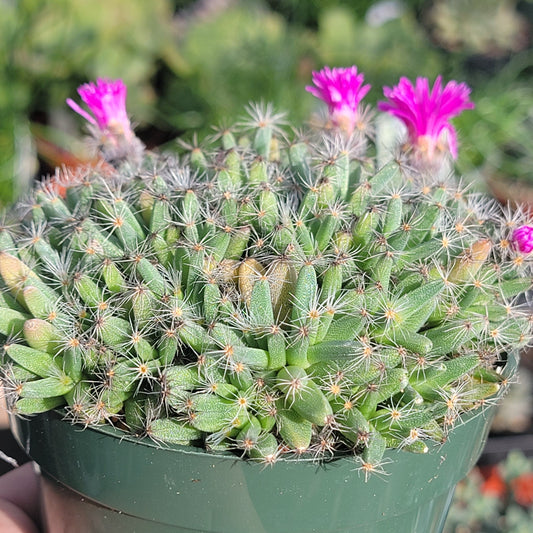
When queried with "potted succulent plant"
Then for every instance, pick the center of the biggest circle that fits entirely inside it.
(254, 333)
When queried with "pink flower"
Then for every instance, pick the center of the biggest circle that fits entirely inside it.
(106, 100)
(427, 114)
(523, 239)
(341, 89)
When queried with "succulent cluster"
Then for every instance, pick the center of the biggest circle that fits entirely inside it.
(266, 292)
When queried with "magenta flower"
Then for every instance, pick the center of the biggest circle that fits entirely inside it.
(106, 100)
(341, 89)
(427, 114)
(523, 239)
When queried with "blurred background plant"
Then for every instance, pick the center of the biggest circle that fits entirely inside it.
(192, 63)
(489, 28)
(496, 498)
(187, 64)
(47, 49)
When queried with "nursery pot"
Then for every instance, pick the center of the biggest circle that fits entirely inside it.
(101, 480)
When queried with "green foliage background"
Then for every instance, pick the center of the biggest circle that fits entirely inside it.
(189, 64)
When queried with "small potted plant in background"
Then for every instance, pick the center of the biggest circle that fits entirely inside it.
(496, 498)
(255, 333)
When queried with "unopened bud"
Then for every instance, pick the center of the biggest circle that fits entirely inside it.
(523, 239)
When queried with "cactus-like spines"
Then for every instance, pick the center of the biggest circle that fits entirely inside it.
(264, 295)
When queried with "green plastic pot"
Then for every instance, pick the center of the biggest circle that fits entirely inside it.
(99, 480)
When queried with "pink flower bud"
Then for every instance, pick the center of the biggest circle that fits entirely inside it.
(523, 239)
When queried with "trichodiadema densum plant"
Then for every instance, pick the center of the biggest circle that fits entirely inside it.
(272, 291)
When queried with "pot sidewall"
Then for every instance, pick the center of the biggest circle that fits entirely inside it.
(186, 489)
